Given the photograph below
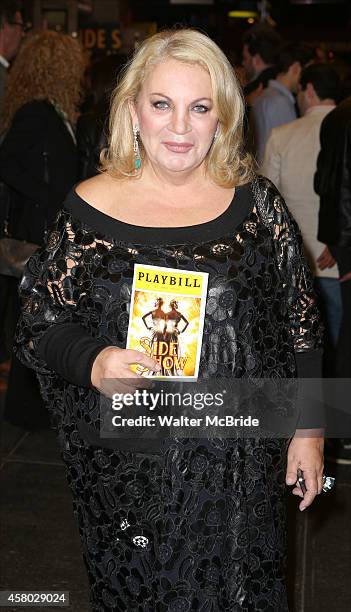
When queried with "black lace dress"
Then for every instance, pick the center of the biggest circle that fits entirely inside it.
(200, 526)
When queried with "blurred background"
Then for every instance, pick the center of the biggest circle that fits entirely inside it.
(116, 26)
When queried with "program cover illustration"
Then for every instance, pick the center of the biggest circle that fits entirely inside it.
(166, 319)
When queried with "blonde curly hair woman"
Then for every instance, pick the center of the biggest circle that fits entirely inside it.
(38, 166)
(48, 67)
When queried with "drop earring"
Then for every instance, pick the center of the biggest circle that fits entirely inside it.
(137, 158)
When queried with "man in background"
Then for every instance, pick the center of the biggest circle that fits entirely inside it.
(259, 55)
(333, 185)
(290, 162)
(276, 105)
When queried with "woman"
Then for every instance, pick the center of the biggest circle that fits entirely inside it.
(172, 331)
(199, 524)
(157, 323)
(38, 166)
(38, 159)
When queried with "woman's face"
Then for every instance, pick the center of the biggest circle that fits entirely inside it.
(176, 115)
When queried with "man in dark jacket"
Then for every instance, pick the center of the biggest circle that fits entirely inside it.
(332, 182)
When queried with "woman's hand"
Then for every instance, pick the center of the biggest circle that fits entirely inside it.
(306, 453)
(111, 371)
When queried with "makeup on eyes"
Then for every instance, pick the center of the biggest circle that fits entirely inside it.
(195, 103)
(203, 106)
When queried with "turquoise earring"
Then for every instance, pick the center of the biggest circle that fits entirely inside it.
(137, 158)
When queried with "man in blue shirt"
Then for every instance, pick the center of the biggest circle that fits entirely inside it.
(259, 54)
(276, 105)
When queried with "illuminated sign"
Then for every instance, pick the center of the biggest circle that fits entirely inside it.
(106, 37)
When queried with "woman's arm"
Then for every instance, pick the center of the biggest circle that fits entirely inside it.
(186, 323)
(56, 332)
(304, 317)
(144, 319)
(50, 334)
(306, 447)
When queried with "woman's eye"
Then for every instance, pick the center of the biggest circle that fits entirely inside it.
(160, 104)
(200, 108)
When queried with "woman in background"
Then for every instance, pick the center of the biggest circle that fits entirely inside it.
(38, 166)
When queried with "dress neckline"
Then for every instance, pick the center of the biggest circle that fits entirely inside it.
(237, 210)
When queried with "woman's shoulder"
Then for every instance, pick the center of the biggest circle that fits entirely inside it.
(265, 191)
(36, 116)
(272, 207)
(98, 191)
(85, 206)
(35, 107)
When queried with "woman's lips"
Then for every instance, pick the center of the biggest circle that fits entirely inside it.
(177, 147)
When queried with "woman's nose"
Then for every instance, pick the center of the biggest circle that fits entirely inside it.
(180, 123)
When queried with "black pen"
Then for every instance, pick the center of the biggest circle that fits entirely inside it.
(301, 481)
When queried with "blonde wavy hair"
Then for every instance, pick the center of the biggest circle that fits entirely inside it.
(226, 163)
(49, 66)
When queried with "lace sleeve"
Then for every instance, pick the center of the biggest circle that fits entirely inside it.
(305, 324)
(53, 296)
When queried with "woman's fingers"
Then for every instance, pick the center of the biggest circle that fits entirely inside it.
(311, 482)
(113, 386)
(305, 453)
(291, 474)
(297, 491)
(121, 359)
(126, 381)
(113, 364)
(132, 357)
(127, 384)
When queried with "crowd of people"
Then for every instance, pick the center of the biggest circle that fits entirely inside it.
(299, 130)
(238, 166)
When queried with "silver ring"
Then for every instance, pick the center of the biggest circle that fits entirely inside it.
(328, 483)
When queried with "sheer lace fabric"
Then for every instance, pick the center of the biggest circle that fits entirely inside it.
(201, 525)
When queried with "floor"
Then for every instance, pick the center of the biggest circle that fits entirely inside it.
(40, 547)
